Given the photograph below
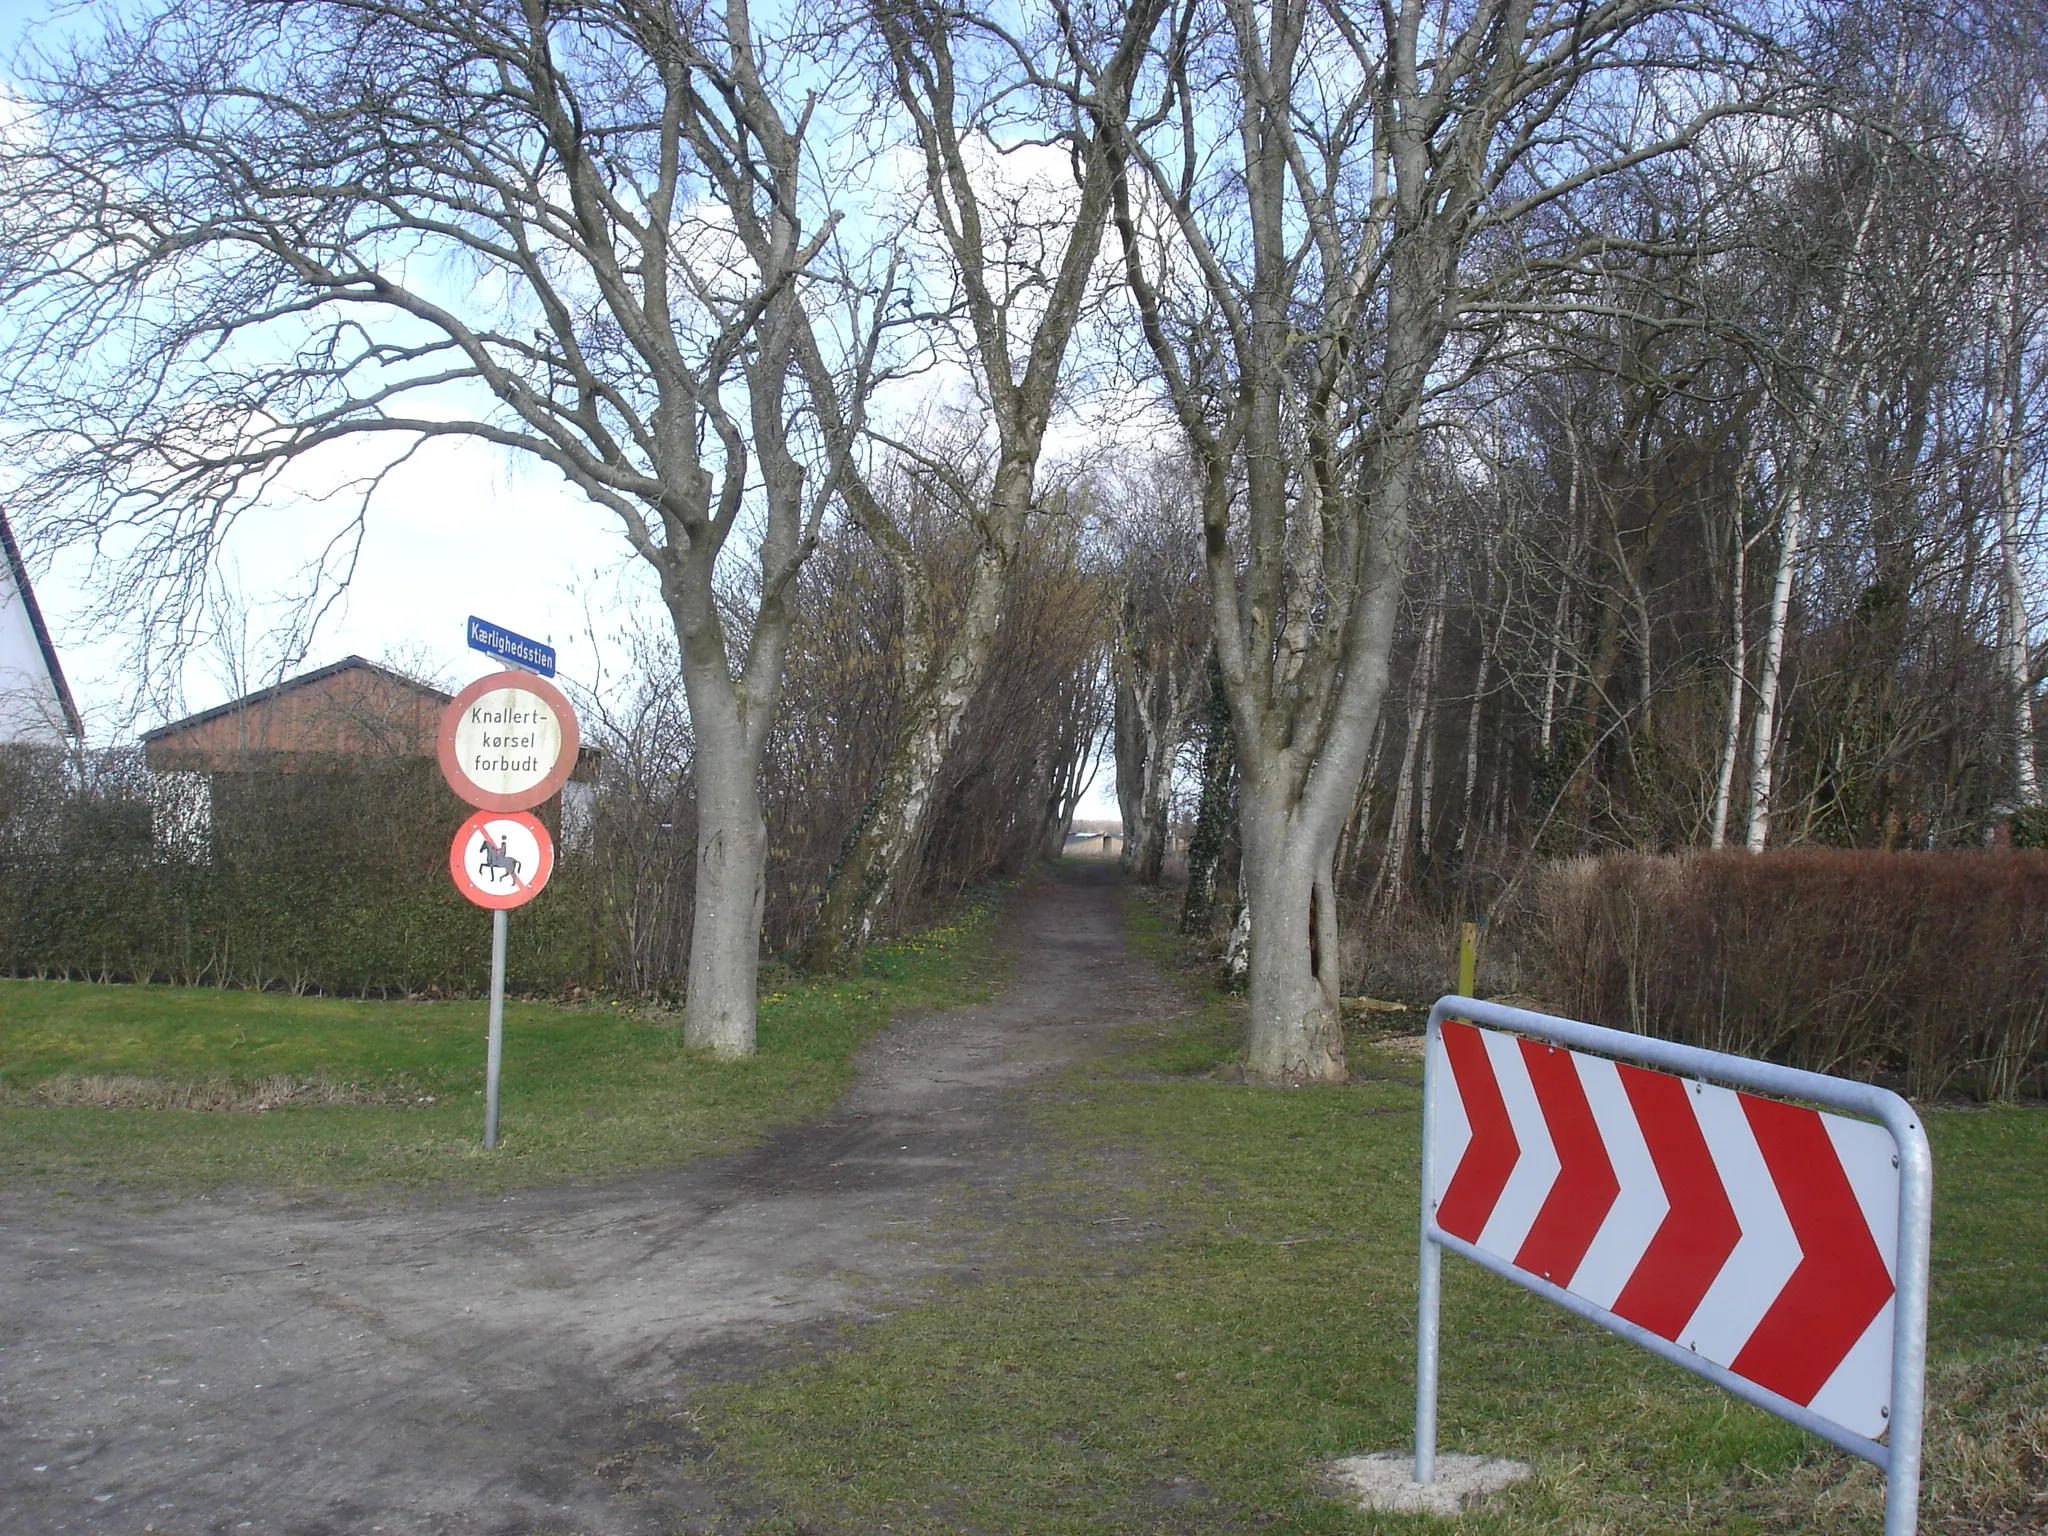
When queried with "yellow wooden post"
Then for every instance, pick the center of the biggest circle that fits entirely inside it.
(1468, 958)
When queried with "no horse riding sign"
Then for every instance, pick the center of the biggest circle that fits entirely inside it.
(508, 742)
(501, 859)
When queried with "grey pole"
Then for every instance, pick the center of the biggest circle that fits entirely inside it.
(1909, 1349)
(1429, 1282)
(496, 1053)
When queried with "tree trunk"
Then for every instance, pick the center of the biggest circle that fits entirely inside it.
(1074, 759)
(2006, 430)
(1473, 719)
(1807, 428)
(729, 719)
(1738, 679)
(1152, 707)
(1293, 948)
(1359, 824)
(884, 845)
(1212, 815)
(1425, 771)
(1763, 725)
(1150, 864)
(725, 935)
(1135, 729)
(1391, 884)
(1554, 666)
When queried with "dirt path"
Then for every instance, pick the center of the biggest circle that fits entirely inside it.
(484, 1364)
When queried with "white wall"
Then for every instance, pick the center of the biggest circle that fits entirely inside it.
(30, 708)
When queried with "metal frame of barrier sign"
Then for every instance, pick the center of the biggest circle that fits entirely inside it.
(1898, 1454)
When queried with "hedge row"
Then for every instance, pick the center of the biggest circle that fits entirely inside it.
(329, 882)
(1928, 971)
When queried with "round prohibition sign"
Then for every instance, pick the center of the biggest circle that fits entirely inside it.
(508, 741)
(501, 859)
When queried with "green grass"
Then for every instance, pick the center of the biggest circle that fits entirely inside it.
(1212, 1290)
(588, 1091)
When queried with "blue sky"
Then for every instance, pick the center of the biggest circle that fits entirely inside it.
(462, 528)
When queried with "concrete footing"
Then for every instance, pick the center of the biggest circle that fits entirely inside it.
(1385, 1480)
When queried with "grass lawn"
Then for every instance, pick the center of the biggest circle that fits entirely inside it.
(587, 1092)
(1213, 1290)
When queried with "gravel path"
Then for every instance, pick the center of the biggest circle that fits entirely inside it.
(486, 1364)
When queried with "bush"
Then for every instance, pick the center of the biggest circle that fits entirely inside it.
(331, 881)
(1925, 970)
(1407, 953)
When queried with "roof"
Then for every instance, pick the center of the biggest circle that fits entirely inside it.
(352, 709)
(19, 572)
(250, 701)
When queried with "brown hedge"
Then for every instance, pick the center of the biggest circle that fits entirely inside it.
(1928, 971)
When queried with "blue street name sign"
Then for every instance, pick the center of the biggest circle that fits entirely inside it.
(494, 640)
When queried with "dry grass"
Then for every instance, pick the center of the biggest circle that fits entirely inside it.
(213, 1094)
(1984, 1468)
(1988, 1445)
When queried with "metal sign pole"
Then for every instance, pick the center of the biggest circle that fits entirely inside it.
(507, 743)
(496, 1053)
(1429, 1286)
(1909, 1352)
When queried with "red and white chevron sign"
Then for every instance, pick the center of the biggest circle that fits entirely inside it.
(1759, 1235)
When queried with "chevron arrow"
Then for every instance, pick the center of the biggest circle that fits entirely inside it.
(1482, 1172)
(1586, 1188)
(1753, 1233)
(1841, 1283)
(1700, 1232)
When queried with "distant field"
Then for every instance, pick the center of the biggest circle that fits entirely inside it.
(368, 1093)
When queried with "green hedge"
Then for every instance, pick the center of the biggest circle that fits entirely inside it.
(333, 881)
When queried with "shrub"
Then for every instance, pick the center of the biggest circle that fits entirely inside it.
(332, 881)
(1926, 970)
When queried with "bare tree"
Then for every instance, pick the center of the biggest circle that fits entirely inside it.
(1020, 266)
(2013, 176)
(1321, 198)
(1072, 755)
(239, 232)
(1215, 804)
(1159, 650)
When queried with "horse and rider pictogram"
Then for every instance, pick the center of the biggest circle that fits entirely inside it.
(501, 859)
(498, 861)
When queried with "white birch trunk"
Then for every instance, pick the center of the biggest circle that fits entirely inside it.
(2006, 429)
(1555, 663)
(1763, 725)
(1835, 391)
(1392, 882)
(1738, 678)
